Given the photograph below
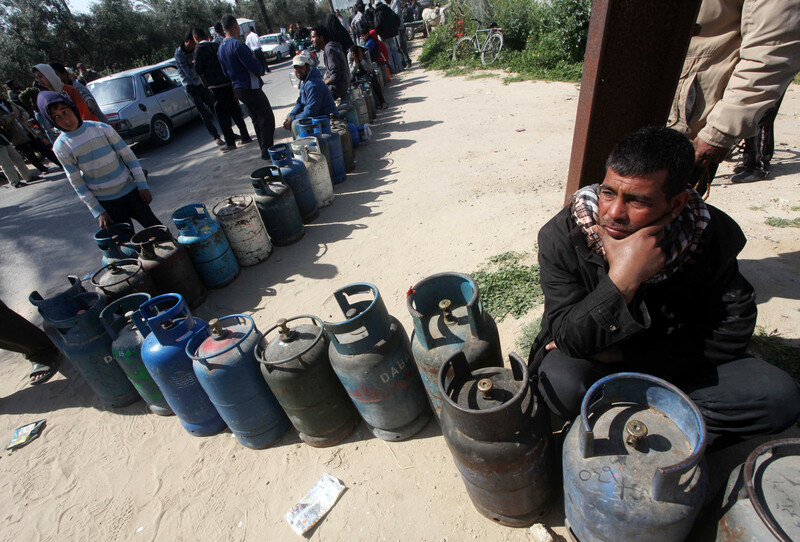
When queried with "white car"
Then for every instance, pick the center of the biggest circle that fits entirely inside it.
(276, 47)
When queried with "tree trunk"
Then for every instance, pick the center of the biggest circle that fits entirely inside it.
(263, 8)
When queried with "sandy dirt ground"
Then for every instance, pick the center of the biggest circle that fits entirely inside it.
(459, 170)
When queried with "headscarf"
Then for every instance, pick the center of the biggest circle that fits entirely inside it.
(384, 51)
(50, 74)
(337, 32)
(47, 98)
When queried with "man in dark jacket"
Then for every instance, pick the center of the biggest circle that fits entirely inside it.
(337, 73)
(387, 24)
(639, 274)
(226, 106)
(314, 100)
(184, 58)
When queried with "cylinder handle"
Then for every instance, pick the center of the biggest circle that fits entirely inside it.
(287, 335)
(636, 431)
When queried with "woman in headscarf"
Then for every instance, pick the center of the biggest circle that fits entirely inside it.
(48, 79)
(338, 33)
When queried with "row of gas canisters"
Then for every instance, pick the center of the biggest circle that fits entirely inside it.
(632, 461)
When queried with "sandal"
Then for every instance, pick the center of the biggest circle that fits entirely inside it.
(41, 373)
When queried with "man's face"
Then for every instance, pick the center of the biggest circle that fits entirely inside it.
(302, 72)
(316, 39)
(64, 117)
(42, 80)
(627, 204)
(189, 45)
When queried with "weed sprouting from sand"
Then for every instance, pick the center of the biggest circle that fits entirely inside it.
(783, 222)
(483, 75)
(772, 347)
(756, 208)
(508, 286)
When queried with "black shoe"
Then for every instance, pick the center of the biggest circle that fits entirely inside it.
(20, 184)
(237, 136)
(35, 177)
(246, 140)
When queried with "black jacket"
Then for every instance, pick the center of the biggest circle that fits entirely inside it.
(386, 22)
(702, 315)
(207, 66)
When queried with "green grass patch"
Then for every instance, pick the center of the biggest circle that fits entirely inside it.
(508, 285)
(771, 347)
(527, 336)
(795, 207)
(455, 72)
(783, 222)
(756, 207)
(482, 75)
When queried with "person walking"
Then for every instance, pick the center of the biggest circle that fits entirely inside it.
(226, 106)
(184, 56)
(13, 122)
(245, 73)
(253, 42)
(12, 164)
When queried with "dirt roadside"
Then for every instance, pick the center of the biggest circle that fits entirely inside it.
(459, 170)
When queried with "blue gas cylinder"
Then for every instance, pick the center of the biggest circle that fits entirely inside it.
(371, 354)
(114, 242)
(80, 335)
(322, 129)
(164, 355)
(208, 247)
(277, 206)
(226, 367)
(295, 175)
(305, 128)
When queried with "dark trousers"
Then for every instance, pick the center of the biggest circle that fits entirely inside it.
(29, 149)
(205, 106)
(263, 118)
(19, 335)
(262, 59)
(758, 149)
(739, 399)
(130, 206)
(226, 108)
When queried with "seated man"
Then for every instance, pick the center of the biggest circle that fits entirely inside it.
(315, 99)
(639, 274)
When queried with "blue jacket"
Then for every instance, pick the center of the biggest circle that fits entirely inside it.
(186, 71)
(240, 65)
(315, 98)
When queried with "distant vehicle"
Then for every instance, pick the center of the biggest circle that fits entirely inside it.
(276, 47)
(245, 25)
(145, 103)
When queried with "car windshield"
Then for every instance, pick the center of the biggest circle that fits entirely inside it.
(268, 39)
(113, 91)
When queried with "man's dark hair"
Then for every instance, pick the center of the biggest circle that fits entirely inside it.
(360, 7)
(228, 21)
(189, 36)
(58, 67)
(199, 33)
(652, 149)
(322, 32)
(218, 28)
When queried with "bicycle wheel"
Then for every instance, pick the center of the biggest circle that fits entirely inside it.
(492, 48)
(464, 49)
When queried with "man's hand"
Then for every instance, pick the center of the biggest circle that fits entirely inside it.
(633, 260)
(105, 221)
(146, 196)
(287, 124)
(705, 154)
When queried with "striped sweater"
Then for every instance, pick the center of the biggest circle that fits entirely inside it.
(99, 165)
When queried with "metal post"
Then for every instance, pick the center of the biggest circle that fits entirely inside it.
(634, 54)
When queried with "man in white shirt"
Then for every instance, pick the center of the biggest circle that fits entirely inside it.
(255, 45)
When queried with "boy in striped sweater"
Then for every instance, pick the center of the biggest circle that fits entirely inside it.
(100, 167)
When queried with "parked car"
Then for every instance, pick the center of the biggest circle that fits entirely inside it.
(145, 103)
(276, 47)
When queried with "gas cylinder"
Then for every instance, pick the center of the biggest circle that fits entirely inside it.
(371, 355)
(60, 304)
(114, 242)
(168, 264)
(763, 495)
(356, 98)
(348, 112)
(498, 431)
(322, 129)
(207, 245)
(277, 206)
(244, 229)
(125, 326)
(307, 150)
(121, 278)
(297, 369)
(633, 462)
(372, 106)
(164, 355)
(295, 175)
(340, 127)
(85, 342)
(227, 369)
(448, 317)
(305, 128)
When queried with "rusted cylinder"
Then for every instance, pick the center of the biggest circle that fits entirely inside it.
(239, 218)
(121, 278)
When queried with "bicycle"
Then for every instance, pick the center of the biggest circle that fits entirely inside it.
(488, 42)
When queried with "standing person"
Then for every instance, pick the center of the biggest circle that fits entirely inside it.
(397, 8)
(220, 33)
(13, 165)
(757, 153)
(356, 22)
(86, 75)
(13, 122)
(101, 168)
(86, 94)
(255, 45)
(337, 75)
(378, 52)
(245, 73)
(387, 25)
(314, 100)
(19, 335)
(194, 85)
(226, 106)
(338, 33)
(738, 65)
(14, 90)
(47, 79)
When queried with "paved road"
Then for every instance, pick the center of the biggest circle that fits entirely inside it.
(46, 232)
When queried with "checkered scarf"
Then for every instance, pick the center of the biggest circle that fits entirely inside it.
(681, 236)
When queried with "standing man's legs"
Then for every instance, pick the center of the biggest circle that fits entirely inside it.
(236, 114)
(263, 118)
(222, 108)
(130, 207)
(28, 152)
(202, 100)
(13, 165)
(19, 335)
(404, 45)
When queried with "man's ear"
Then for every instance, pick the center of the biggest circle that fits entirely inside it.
(678, 202)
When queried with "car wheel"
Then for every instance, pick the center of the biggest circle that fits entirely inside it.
(160, 130)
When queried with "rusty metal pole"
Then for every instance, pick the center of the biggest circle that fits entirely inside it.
(633, 60)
